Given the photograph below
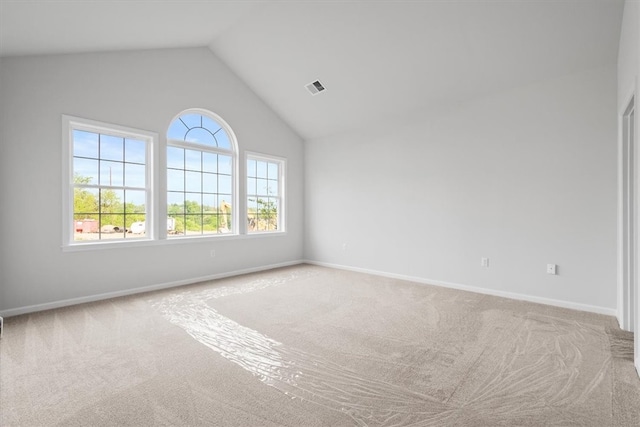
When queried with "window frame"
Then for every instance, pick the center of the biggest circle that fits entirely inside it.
(233, 153)
(156, 167)
(69, 125)
(282, 184)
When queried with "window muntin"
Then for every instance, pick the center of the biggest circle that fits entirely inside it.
(200, 175)
(265, 182)
(199, 128)
(109, 182)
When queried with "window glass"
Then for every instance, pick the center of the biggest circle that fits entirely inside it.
(109, 186)
(200, 176)
(264, 194)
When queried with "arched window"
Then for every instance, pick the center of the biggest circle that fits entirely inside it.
(201, 175)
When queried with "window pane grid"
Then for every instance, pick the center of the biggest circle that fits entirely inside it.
(216, 220)
(115, 161)
(199, 129)
(205, 201)
(200, 173)
(263, 195)
(109, 186)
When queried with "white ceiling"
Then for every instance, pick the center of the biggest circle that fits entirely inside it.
(68, 26)
(378, 59)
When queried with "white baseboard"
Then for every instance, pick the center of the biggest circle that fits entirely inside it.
(619, 319)
(510, 295)
(108, 295)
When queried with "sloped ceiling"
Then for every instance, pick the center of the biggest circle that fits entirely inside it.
(378, 59)
(33, 27)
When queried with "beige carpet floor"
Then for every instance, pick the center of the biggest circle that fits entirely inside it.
(312, 346)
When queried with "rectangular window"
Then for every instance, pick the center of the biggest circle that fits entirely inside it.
(199, 192)
(265, 193)
(108, 182)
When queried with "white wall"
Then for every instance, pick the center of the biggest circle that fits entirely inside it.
(629, 51)
(524, 178)
(142, 89)
(628, 86)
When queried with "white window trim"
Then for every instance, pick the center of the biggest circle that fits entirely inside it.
(156, 170)
(70, 123)
(234, 153)
(282, 191)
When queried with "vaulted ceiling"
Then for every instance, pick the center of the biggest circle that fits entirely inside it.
(377, 59)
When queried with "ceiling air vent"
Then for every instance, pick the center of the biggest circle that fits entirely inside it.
(315, 87)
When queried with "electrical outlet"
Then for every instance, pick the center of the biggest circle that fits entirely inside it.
(484, 262)
(552, 269)
(213, 253)
(344, 247)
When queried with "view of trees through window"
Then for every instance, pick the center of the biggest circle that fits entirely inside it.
(200, 175)
(192, 217)
(104, 212)
(263, 194)
(109, 186)
(112, 191)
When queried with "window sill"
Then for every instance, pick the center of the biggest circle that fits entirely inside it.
(80, 247)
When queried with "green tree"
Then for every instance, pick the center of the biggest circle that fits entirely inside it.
(111, 209)
(266, 216)
(108, 207)
(134, 213)
(176, 212)
(84, 201)
(267, 209)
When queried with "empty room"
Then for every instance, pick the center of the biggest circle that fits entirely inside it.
(319, 213)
